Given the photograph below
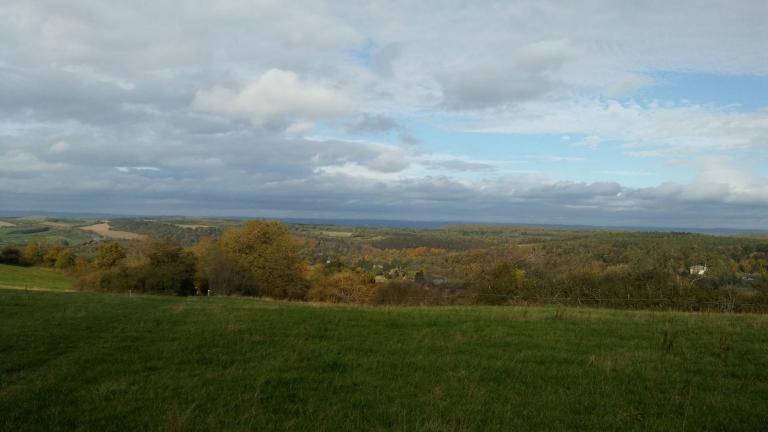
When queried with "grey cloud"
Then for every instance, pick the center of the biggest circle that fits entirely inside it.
(384, 57)
(437, 198)
(116, 82)
(530, 76)
(379, 123)
(372, 123)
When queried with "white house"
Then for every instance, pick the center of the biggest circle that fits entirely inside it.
(698, 269)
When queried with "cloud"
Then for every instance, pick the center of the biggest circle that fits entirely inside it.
(217, 99)
(382, 60)
(59, 147)
(276, 97)
(533, 74)
(124, 169)
(674, 127)
(379, 123)
(457, 165)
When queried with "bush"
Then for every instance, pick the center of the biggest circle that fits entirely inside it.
(345, 286)
(10, 255)
(410, 293)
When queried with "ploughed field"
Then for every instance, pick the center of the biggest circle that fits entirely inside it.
(85, 361)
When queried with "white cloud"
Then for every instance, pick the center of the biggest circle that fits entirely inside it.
(681, 127)
(277, 96)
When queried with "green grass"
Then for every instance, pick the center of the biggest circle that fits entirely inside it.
(33, 278)
(83, 361)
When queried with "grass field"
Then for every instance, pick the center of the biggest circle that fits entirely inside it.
(81, 361)
(33, 278)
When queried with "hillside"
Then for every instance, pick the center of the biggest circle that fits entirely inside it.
(112, 362)
(33, 278)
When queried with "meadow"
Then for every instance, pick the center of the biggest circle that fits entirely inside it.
(95, 361)
(33, 278)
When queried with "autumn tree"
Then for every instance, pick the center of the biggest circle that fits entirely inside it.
(32, 253)
(166, 269)
(268, 251)
(109, 254)
(221, 273)
(344, 285)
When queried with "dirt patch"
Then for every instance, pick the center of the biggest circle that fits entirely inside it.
(4, 224)
(103, 229)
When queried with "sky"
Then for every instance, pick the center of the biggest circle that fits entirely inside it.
(631, 113)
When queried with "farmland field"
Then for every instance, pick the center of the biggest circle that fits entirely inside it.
(105, 230)
(84, 361)
(22, 230)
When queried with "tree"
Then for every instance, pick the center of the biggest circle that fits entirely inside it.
(498, 284)
(170, 269)
(32, 253)
(268, 251)
(109, 254)
(64, 259)
(220, 272)
(167, 269)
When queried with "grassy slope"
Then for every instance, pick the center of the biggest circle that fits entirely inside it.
(109, 362)
(33, 278)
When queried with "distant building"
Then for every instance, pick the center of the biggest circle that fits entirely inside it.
(396, 273)
(698, 269)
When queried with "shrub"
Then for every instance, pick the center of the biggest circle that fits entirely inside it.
(345, 286)
(10, 255)
(412, 293)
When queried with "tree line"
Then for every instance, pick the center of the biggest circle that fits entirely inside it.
(265, 259)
